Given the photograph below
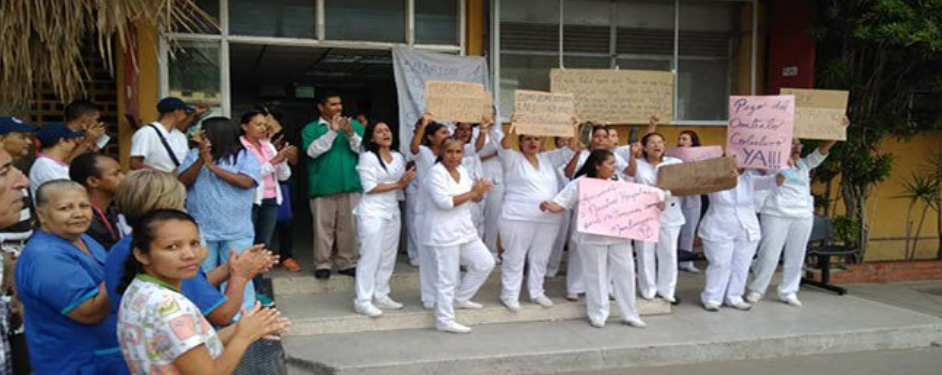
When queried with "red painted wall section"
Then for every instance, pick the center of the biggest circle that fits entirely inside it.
(791, 51)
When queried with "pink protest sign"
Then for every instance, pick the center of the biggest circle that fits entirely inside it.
(689, 154)
(760, 130)
(619, 209)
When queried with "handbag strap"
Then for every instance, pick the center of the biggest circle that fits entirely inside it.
(173, 157)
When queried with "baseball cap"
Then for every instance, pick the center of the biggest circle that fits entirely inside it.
(50, 134)
(167, 105)
(13, 124)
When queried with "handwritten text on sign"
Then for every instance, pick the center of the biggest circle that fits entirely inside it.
(619, 209)
(689, 154)
(760, 130)
(543, 113)
(455, 101)
(617, 96)
(819, 114)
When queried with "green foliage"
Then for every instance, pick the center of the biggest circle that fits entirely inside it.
(846, 230)
(884, 52)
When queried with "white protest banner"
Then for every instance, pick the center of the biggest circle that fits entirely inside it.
(454, 100)
(819, 114)
(617, 96)
(619, 209)
(544, 114)
(412, 68)
(760, 130)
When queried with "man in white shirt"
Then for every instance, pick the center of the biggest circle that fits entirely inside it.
(56, 143)
(161, 145)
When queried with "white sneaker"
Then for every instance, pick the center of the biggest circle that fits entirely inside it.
(453, 328)
(597, 323)
(468, 305)
(710, 306)
(542, 300)
(635, 322)
(511, 305)
(689, 267)
(791, 300)
(387, 303)
(753, 297)
(414, 262)
(670, 300)
(572, 297)
(368, 310)
(740, 305)
(428, 305)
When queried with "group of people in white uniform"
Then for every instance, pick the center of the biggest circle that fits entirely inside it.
(468, 187)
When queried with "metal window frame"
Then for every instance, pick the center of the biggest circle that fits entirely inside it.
(225, 39)
(614, 55)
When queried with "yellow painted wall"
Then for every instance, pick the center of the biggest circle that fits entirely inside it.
(148, 89)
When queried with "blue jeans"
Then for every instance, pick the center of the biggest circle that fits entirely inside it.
(218, 253)
(264, 217)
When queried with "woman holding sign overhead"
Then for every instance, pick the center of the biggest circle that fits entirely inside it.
(657, 262)
(606, 260)
(530, 177)
(452, 239)
(787, 220)
(692, 206)
(730, 233)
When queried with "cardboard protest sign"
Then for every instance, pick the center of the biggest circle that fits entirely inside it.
(454, 101)
(543, 113)
(819, 114)
(617, 96)
(488, 104)
(698, 177)
(689, 154)
(619, 209)
(760, 130)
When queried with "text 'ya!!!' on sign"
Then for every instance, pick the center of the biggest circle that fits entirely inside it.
(619, 209)
(617, 96)
(455, 101)
(543, 114)
(760, 130)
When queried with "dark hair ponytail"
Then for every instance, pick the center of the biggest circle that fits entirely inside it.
(145, 232)
(591, 166)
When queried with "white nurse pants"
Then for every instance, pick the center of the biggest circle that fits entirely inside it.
(559, 244)
(728, 268)
(792, 234)
(691, 206)
(428, 269)
(493, 205)
(607, 265)
(524, 242)
(379, 242)
(448, 259)
(575, 278)
(657, 265)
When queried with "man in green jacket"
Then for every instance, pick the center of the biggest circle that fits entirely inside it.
(332, 145)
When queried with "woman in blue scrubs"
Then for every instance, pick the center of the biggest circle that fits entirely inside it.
(59, 278)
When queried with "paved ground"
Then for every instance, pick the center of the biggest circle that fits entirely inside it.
(906, 362)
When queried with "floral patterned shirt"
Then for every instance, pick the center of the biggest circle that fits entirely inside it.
(157, 324)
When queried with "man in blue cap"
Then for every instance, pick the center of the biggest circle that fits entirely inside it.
(56, 143)
(162, 144)
(16, 136)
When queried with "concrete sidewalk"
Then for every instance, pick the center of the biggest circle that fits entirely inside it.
(827, 324)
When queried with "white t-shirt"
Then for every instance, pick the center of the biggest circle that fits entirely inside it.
(146, 143)
(157, 324)
(386, 204)
(793, 199)
(46, 169)
(449, 225)
(646, 174)
(526, 187)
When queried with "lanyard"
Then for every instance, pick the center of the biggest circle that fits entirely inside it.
(104, 219)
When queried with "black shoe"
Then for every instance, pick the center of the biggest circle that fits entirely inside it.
(322, 274)
(676, 301)
(352, 272)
